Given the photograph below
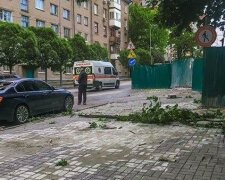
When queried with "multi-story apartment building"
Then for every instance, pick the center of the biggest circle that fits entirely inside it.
(103, 21)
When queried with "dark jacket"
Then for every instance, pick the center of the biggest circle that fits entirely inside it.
(82, 79)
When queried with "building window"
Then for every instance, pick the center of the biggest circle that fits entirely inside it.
(126, 9)
(85, 4)
(54, 9)
(66, 32)
(115, 16)
(86, 37)
(95, 27)
(39, 4)
(5, 15)
(105, 31)
(95, 9)
(41, 70)
(111, 15)
(104, 13)
(24, 21)
(78, 18)
(86, 21)
(40, 23)
(66, 14)
(55, 28)
(69, 70)
(24, 5)
(117, 1)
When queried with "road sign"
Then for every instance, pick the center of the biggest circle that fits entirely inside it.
(131, 61)
(205, 36)
(130, 45)
(131, 54)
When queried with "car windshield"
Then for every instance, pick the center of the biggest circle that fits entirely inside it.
(4, 85)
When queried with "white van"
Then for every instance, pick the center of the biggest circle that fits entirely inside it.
(100, 74)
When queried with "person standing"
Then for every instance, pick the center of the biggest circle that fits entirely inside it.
(82, 80)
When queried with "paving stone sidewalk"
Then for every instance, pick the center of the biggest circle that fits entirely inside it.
(125, 151)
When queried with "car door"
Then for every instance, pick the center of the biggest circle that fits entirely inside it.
(50, 96)
(27, 91)
(108, 80)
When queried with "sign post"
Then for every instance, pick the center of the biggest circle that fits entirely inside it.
(205, 36)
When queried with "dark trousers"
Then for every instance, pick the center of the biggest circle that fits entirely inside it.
(82, 93)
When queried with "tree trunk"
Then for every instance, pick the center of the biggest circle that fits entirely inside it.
(46, 70)
(179, 52)
(60, 81)
(10, 69)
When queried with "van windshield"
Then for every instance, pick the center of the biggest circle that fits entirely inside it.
(87, 69)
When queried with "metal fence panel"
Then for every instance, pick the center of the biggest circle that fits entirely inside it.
(213, 92)
(182, 73)
(154, 76)
(197, 76)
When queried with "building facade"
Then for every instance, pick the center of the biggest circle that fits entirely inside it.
(103, 21)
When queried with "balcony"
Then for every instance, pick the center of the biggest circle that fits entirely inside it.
(114, 4)
(114, 56)
(114, 40)
(114, 23)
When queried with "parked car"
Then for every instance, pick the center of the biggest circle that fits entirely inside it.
(23, 98)
(7, 77)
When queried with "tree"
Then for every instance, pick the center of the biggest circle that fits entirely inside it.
(184, 44)
(79, 48)
(181, 14)
(64, 53)
(123, 58)
(46, 38)
(16, 45)
(97, 52)
(144, 32)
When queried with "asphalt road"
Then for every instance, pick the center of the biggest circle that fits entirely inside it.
(104, 96)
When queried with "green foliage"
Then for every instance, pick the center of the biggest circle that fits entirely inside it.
(184, 45)
(16, 45)
(52, 122)
(79, 48)
(155, 113)
(123, 58)
(97, 52)
(180, 14)
(69, 112)
(93, 125)
(197, 101)
(62, 162)
(64, 54)
(47, 46)
(141, 22)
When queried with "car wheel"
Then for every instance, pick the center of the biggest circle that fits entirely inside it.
(68, 103)
(21, 114)
(99, 87)
(117, 85)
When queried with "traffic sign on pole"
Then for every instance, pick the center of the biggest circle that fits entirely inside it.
(130, 45)
(131, 54)
(132, 61)
(205, 36)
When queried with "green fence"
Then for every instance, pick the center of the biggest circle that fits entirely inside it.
(213, 91)
(155, 76)
(197, 76)
(182, 73)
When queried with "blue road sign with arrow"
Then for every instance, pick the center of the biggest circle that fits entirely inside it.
(131, 61)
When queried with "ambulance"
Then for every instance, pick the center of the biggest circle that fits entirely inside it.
(100, 74)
